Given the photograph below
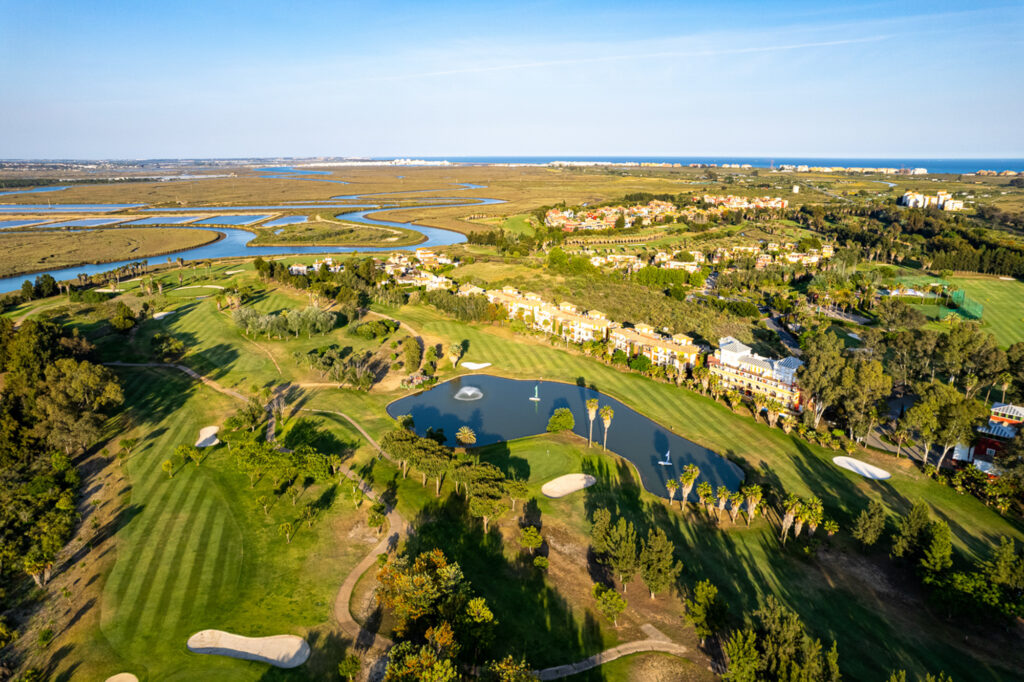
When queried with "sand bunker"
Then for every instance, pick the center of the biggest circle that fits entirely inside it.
(476, 365)
(283, 651)
(570, 483)
(862, 468)
(208, 437)
(233, 272)
(123, 677)
(202, 286)
(160, 316)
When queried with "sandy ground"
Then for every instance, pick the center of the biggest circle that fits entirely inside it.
(123, 677)
(233, 272)
(282, 651)
(208, 437)
(160, 316)
(202, 286)
(476, 365)
(570, 483)
(862, 468)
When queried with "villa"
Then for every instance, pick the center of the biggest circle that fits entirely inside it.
(739, 368)
(1004, 422)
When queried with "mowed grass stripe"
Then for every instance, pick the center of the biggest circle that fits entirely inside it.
(173, 573)
(214, 553)
(152, 564)
(224, 580)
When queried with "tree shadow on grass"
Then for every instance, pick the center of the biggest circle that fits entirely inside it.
(535, 620)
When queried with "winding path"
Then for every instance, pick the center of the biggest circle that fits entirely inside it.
(368, 641)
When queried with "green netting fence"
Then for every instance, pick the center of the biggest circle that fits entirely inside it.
(965, 306)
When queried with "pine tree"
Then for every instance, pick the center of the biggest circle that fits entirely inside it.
(622, 551)
(658, 567)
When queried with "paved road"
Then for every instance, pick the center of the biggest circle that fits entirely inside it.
(788, 340)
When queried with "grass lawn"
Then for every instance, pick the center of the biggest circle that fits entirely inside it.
(1003, 300)
(194, 551)
(747, 564)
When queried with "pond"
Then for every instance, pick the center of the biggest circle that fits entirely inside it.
(499, 409)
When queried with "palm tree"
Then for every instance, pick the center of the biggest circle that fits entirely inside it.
(735, 501)
(814, 513)
(607, 413)
(723, 497)
(707, 496)
(672, 486)
(591, 415)
(786, 423)
(286, 529)
(465, 436)
(686, 481)
(1005, 380)
(168, 466)
(899, 434)
(773, 410)
(760, 404)
(791, 507)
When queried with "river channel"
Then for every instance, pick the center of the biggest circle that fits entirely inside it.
(235, 243)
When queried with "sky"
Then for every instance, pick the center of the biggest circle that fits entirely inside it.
(446, 79)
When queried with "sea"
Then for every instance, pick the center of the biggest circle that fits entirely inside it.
(953, 166)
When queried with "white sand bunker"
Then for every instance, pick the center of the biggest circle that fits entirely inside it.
(570, 483)
(160, 316)
(202, 286)
(233, 272)
(123, 677)
(208, 437)
(282, 651)
(862, 468)
(476, 365)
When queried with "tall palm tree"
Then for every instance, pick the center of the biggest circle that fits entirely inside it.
(723, 494)
(607, 413)
(752, 495)
(591, 415)
(707, 496)
(1005, 381)
(773, 409)
(686, 481)
(672, 486)
(792, 508)
(466, 436)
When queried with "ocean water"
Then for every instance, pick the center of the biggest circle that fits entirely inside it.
(956, 166)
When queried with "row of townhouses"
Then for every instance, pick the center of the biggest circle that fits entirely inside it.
(735, 365)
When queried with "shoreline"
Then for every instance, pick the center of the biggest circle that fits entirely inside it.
(25, 273)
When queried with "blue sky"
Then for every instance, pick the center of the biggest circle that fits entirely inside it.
(176, 79)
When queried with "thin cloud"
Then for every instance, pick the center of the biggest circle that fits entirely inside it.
(628, 57)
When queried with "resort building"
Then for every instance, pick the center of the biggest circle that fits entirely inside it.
(677, 351)
(563, 320)
(739, 368)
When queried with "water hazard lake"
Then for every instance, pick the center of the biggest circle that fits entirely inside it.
(503, 411)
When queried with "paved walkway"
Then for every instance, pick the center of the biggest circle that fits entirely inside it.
(365, 640)
(187, 370)
(657, 641)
